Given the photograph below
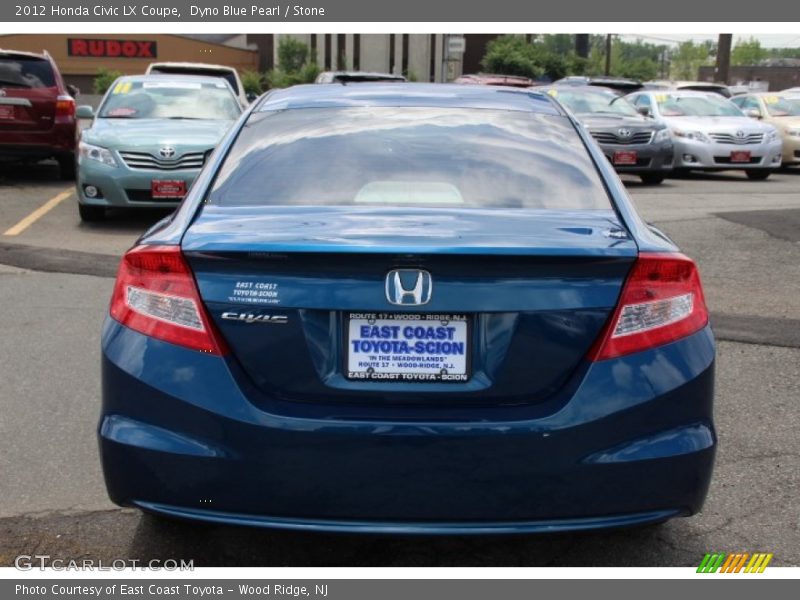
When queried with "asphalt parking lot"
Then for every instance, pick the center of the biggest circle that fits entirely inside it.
(55, 281)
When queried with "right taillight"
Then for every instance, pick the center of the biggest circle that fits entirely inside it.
(662, 301)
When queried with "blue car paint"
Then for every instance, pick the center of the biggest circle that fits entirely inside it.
(618, 442)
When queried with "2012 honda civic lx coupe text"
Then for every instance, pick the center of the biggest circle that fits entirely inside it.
(408, 308)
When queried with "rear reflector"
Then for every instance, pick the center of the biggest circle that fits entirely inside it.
(155, 294)
(662, 301)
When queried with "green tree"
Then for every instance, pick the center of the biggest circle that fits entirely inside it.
(748, 52)
(512, 55)
(253, 82)
(294, 66)
(292, 54)
(688, 57)
(103, 79)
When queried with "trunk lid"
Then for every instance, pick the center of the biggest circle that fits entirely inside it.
(528, 290)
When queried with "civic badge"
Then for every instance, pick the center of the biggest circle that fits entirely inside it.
(408, 287)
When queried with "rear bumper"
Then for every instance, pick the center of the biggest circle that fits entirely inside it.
(634, 444)
(37, 145)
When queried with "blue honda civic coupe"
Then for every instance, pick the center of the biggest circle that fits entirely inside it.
(408, 308)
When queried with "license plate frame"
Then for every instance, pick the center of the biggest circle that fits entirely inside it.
(625, 158)
(7, 112)
(168, 189)
(398, 368)
(740, 156)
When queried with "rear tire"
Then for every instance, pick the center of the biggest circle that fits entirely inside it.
(758, 174)
(91, 214)
(66, 167)
(652, 178)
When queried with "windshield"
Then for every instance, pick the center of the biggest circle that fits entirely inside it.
(781, 107)
(425, 157)
(794, 102)
(25, 72)
(672, 105)
(583, 102)
(169, 100)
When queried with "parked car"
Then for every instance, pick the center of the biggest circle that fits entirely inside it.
(711, 133)
(356, 77)
(697, 86)
(408, 308)
(37, 111)
(618, 84)
(506, 80)
(780, 111)
(229, 74)
(631, 142)
(149, 139)
(791, 91)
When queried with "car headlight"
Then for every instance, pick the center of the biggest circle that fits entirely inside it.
(91, 152)
(662, 135)
(772, 135)
(698, 136)
(793, 132)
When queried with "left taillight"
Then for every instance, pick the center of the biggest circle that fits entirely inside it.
(155, 294)
(65, 107)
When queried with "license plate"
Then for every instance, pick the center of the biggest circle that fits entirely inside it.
(740, 156)
(625, 157)
(167, 188)
(6, 112)
(405, 347)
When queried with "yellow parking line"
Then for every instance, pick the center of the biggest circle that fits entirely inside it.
(38, 213)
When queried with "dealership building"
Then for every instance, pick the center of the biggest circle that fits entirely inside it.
(422, 57)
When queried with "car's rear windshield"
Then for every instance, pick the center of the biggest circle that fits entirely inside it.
(421, 157)
(169, 99)
(25, 72)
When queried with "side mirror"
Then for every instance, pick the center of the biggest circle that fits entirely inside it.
(251, 96)
(753, 113)
(84, 112)
(73, 90)
(643, 110)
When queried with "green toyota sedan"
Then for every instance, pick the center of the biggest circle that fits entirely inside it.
(149, 139)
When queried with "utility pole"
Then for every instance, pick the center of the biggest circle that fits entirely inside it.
(723, 57)
(582, 45)
(608, 54)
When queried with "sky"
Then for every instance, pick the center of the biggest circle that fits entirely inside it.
(767, 40)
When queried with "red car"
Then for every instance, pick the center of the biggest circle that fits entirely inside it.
(37, 111)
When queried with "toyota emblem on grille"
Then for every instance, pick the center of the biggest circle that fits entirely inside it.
(740, 134)
(411, 287)
(167, 152)
(2, 92)
(624, 132)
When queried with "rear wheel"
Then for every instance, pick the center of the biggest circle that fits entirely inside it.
(90, 213)
(652, 178)
(758, 174)
(66, 167)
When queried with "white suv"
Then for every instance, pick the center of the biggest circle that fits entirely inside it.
(229, 74)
